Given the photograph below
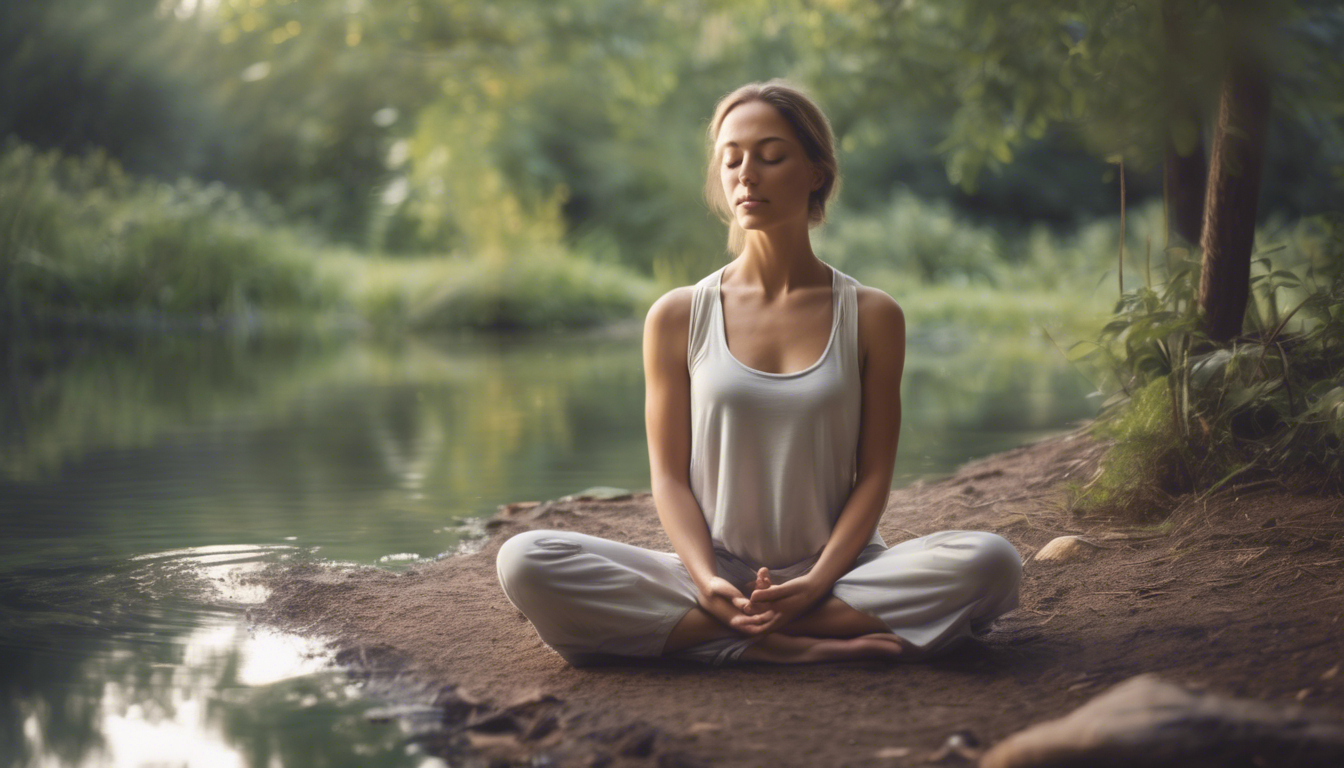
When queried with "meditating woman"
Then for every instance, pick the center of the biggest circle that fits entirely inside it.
(772, 405)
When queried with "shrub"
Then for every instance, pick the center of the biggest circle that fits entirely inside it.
(1191, 415)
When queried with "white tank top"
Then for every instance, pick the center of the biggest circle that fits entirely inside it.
(773, 455)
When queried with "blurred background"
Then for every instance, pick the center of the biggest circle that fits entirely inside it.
(406, 163)
(332, 279)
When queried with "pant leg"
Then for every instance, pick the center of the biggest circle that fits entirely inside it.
(591, 598)
(934, 590)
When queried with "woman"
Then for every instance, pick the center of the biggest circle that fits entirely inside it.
(772, 405)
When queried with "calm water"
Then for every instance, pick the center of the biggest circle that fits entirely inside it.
(140, 478)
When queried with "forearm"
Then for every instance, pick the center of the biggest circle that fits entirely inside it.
(684, 522)
(852, 532)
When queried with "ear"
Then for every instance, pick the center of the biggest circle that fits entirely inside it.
(818, 178)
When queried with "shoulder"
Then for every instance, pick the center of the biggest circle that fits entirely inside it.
(667, 328)
(671, 311)
(878, 312)
(881, 326)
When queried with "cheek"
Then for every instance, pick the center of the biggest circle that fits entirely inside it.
(728, 181)
(800, 178)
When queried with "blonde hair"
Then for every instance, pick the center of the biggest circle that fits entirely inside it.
(814, 134)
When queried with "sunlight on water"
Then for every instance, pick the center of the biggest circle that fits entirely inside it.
(142, 487)
(209, 673)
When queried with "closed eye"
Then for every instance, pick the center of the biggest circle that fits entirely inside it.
(768, 162)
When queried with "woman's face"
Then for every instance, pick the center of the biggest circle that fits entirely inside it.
(766, 176)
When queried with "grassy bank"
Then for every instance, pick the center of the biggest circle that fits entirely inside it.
(82, 242)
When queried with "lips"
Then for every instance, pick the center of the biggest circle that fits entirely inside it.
(748, 199)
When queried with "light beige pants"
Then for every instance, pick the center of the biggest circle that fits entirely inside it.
(591, 599)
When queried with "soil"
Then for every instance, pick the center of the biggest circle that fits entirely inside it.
(1240, 593)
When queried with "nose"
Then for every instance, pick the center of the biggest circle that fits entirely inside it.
(746, 170)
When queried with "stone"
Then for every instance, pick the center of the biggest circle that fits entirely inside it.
(1147, 721)
(1065, 549)
(598, 493)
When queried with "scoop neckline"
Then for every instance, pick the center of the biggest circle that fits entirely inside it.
(830, 342)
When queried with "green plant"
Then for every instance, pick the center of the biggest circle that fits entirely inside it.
(78, 237)
(1189, 415)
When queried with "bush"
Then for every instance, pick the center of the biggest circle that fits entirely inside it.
(1192, 415)
(80, 237)
(536, 291)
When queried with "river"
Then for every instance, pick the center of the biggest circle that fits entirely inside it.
(143, 477)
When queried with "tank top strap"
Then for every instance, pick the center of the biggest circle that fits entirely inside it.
(703, 301)
(848, 306)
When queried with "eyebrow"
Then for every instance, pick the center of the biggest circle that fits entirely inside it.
(762, 141)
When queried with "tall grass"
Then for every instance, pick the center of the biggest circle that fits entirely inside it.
(538, 291)
(1190, 415)
(78, 238)
(81, 240)
(944, 269)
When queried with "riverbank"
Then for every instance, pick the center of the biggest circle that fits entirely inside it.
(1240, 594)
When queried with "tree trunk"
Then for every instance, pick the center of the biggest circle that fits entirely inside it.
(1185, 170)
(1233, 195)
(1183, 180)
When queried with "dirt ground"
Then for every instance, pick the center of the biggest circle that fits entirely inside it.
(1241, 594)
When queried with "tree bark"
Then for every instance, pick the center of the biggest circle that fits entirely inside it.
(1233, 196)
(1183, 180)
(1183, 175)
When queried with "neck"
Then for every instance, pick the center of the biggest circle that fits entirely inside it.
(779, 263)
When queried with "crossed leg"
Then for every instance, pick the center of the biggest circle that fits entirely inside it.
(590, 597)
(831, 631)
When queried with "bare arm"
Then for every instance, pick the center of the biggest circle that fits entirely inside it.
(882, 339)
(882, 327)
(667, 421)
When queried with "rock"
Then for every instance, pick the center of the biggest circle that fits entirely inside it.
(513, 509)
(497, 722)
(542, 727)
(403, 711)
(599, 493)
(1146, 721)
(960, 746)
(639, 743)
(1065, 549)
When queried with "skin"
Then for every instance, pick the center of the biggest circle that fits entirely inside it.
(777, 317)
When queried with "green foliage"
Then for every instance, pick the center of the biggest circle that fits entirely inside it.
(1147, 463)
(930, 243)
(1009, 71)
(546, 290)
(485, 129)
(1191, 415)
(79, 236)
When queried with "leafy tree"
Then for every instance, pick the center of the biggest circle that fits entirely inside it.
(1137, 80)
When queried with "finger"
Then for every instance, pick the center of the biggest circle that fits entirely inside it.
(777, 620)
(750, 624)
(777, 592)
(767, 595)
(763, 578)
(727, 591)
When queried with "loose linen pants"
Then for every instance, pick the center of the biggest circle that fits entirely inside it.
(592, 599)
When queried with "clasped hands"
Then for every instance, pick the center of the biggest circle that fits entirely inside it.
(769, 607)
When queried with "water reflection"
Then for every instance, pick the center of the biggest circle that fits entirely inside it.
(151, 663)
(140, 480)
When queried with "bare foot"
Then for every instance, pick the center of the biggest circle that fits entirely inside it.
(784, 649)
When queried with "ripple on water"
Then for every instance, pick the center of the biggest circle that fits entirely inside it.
(154, 655)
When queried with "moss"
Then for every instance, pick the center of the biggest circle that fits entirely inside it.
(1147, 463)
